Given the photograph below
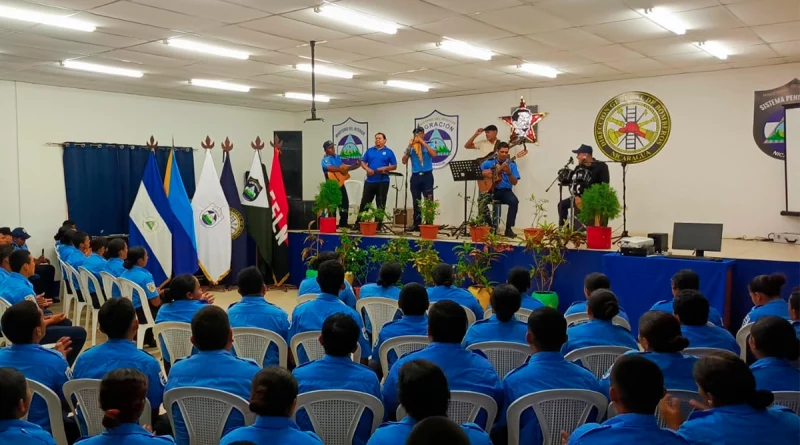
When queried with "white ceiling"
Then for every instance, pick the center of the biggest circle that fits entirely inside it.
(588, 40)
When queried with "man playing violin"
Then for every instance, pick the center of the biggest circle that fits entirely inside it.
(505, 175)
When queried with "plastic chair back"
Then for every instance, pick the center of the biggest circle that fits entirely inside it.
(335, 414)
(505, 356)
(465, 406)
(686, 408)
(583, 317)
(253, 343)
(556, 410)
(597, 359)
(89, 277)
(68, 292)
(741, 339)
(176, 337)
(789, 399)
(87, 394)
(402, 345)
(131, 290)
(4, 305)
(314, 351)
(523, 314)
(53, 410)
(306, 297)
(109, 281)
(703, 352)
(470, 316)
(205, 411)
(379, 311)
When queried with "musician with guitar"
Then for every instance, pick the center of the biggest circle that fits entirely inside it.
(333, 168)
(421, 155)
(588, 172)
(501, 174)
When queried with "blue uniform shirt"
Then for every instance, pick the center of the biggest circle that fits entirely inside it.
(310, 286)
(269, 430)
(492, 329)
(94, 264)
(115, 267)
(330, 161)
(676, 367)
(20, 432)
(310, 316)
(529, 302)
(143, 278)
(426, 165)
(180, 311)
(710, 337)
(75, 258)
(579, 307)
(465, 371)
(256, 312)
(460, 296)
(374, 290)
(544, 371)
(396, 433)
(127, 434)
(408, 325)
(3, 276)
(666, 306)
(776, 374)
(597, 333)
(777, 307)
(18, 247)
(625, 429)
(377, 158)
(218, 370)
(504, 183)
(17, 289)
(331, 372)
(46, 366)
(741, 425)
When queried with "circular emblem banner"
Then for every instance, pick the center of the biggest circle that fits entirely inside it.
(632, 127)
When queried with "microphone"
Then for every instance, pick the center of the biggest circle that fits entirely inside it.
(570, 161)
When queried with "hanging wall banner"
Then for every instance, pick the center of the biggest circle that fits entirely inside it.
(769, 113)
(441, 133)
(350, 138)
(632, 127)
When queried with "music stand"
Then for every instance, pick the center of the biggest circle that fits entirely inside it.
(465, 171)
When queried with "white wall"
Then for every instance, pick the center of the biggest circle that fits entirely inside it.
(709, 171)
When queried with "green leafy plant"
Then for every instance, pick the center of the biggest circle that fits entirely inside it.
(539, 211)
(477, 217)
(429, 210)
(425, 259)
(354, 258)
(313, 243)
(372, 214)
(396, 249)
(549, 252)
(599, 205)
(328, 199)
(475, 261)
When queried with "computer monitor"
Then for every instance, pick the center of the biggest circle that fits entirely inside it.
(697, 236)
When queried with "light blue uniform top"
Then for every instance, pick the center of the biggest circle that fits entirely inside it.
(408, 325)
(20, 432)
(3, 276)
(377, 158)
(310, 286)
(218, 370)
(75, 258)
(419, 167)
(741, 425)
(530, 302)
(310, 316)
(676, 367)
(94, 264)
(374, 290)
(504, 183)
(710, 337)
(180, 311)
(253, 311)
(492, 329)
(666, 306)
(579, 307)
(777, 307)
(458, 295)
(269, 430)
(144, 279)
(330, 373)
(598, 333)
(127, 434)
(330, 161)
(396, 433)
(17, 289)
(115, 267)
(776, 374)
(625, 429)
(46, 366)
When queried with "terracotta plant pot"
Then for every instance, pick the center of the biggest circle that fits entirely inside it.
(483, 295)
(428, 231)
(478, 233)
(598, 237)
(535, 234)
(369, 228)
(327, 225)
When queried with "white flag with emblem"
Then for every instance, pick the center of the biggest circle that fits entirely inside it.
(212, 222)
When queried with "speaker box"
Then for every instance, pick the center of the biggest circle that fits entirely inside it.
(300, 214)
(661, 241)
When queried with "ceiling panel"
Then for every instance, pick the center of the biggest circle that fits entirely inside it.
(589, 12)
(662, 47)
(292, 29)
(466, 29)
(609, 53)
(766, 11)
(110, 25)
(787, 48)
(153, 16)
(471, 70)
(145, 58)
(423, 60)
(709, 18)
(524, 19)
(410, 38)
(779, 32)
(47, 43)
(94, 38)
(472, 6)
(77, 5)
(638, 65)
(244, 36)
(628, 31)
(688, 59)
(572, 38)
(275, 6)
(209, 9)
(404, 12)
(323, 53)
(763, 51)
(371, 48)
(382, 65)
(595, 69)
(519, 46)
(240, 69)
(162, 49)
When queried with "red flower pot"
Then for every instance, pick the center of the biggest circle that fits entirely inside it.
(598, 237)
(478, 233)
(327, 225)
(428, 231)
(369, 228)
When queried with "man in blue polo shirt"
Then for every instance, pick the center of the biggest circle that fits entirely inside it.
(378, 161)
(332, 167)
(503, 170)
(421, 155)
(687, 279)
(44, 280)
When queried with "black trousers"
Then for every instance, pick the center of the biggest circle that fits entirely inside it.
(503, 196)
(148, 335)
(421, 186)
(377, 191)
(44, 281)
(563, 211)
(65, 329)
(343, 208)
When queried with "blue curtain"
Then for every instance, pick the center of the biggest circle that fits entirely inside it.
(102, 181)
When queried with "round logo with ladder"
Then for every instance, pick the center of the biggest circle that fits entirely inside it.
(632, 127)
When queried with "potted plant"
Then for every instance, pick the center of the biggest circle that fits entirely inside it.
(478, 228)
(354, 259)
(369, 219)
(539, 214)
(599, 204)
(313, 243)
(396, 249)
(549, 252)
(326, 202)
(428, 209)
(425, 259)
(475, 262)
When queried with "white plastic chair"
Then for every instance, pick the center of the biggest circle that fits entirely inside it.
(176, 337)
(204, 412)
(470, 316)
(354, 188)
(109, 281)
(253, 343)
(522, 314)
(314, 351)
(85, 278)
(597, 359)
(335, 414)
(789, 399)
(74, 282)
(402, 345)
(741, 339)
(583, 317)
(556, 410)
(379, 311)
(4, 305)
(127, 289)
(68, 293)
(53, 410)
(505, 356)
(465, 406)
(686, 408)
(306, 297)
(87, 394)
(703, 352)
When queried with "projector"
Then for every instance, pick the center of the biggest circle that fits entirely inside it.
(639, 242)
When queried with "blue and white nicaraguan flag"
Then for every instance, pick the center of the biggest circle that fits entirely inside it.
(184, 245)
(149, 223)
(212, 218)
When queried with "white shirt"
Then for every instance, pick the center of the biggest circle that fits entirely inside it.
(485, 146)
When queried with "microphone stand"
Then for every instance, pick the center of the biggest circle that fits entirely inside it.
(624, 233)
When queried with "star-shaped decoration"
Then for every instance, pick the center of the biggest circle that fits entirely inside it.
(521, 122)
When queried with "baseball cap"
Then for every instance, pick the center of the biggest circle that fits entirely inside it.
(419, 130)
(583, 149)
(19, 232)
(327, 144)
(490, 128)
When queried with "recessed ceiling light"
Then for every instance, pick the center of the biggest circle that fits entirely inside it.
(464, 49)
(305, 96)
(324, 70)
(540, 70)
(715, 49)
(220, 85)
(83, 66)
(45, 19)
(408, 85)
(208, 49)
(665, 19)
(355, 18)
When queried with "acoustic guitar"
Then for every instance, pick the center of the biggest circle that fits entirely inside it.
(343, 174)
(487, 185)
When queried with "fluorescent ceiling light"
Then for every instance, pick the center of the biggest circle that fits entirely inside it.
(715, 49)
(208, 49)
(324, 70)
(306, 96)
(355, 18)
(220, 85)
(408, 85)
(76, 65)
(45, 19)
(464, 49)
(539, 70)
(665, 19)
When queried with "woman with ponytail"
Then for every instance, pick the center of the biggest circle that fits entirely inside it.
(134, 265)
(765, 291)
(601, 306)
(122, 397)
(387, 286)
(180, 302)
(732, 411)
(775, 345)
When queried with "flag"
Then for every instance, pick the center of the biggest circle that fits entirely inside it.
(149, 223)
(212, 218)
(256, 206)
(237, 241)
(184, 244)
(280, 214)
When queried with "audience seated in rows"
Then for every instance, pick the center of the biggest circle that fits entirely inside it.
(775, 345)
(15, 403)
(413, 303)
(602, 306)
(691, 309)
(687, 280)
(501, 326)
(135, 272)
(311, 286)
(444, 289)
(115, 264)
(765, 291)
(520, 278)
(592, 282)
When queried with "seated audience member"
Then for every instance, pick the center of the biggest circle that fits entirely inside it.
(414, 304)
(637, 385)
(311, 286)
(180, 303)
(77, 256)
(115, 265)
(386, 287)
(465, 370)
(546, 369)
(436, 431)
(520, 278)
(765, 291)
(273, 398)
(592, 282)
(310, 315)
(687, 280)
(336, 370)
(45, 273)
(57, 238)
(254, 311)
(733, 412)
(602, 307)
(135, 272)
(66, 247)
(423, 391)
(691, 308)
(501, 326)
(15, 401)
(774, 343)
(5, 236)
(95, 263)
(213, 366)
(122, 398)
(794, 308)
(5, 267)
(443, 278)
(662, 341)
